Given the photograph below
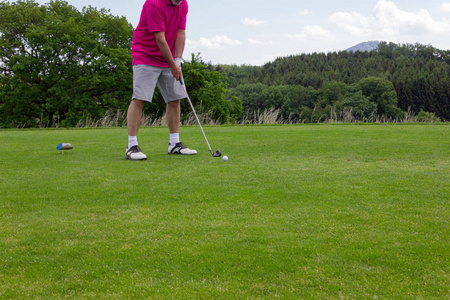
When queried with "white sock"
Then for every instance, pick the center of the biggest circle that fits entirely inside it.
(132, 141)
(174, 138)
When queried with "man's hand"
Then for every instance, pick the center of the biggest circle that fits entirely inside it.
(176, 72)
(178, 61)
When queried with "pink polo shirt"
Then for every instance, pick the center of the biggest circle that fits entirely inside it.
(157, 15)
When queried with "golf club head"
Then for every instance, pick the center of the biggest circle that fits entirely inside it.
(217, 153)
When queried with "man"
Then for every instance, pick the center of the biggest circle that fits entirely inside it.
(157, 48)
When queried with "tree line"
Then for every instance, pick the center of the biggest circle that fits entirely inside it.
(387, 81)
(59, 65)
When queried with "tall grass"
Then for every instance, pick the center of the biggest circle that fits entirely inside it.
(118, 118)
(267, 116)
(273, 116)
(348, 116)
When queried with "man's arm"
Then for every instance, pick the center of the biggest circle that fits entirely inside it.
(180, 42)
(167, 54)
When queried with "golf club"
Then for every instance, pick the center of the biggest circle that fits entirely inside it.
(214, 154)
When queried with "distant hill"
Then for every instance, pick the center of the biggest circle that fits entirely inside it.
(366, 46)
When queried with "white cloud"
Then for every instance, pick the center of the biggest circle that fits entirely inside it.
(255, 41)
(312, 32)
(445, 7)
(388, 22)
(253, 22)
(217, 42)
(394, 21)
(354, 23)
(303, 12)
(190, 44)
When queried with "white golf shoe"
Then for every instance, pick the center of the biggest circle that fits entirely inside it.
(135, 153)
(179, 148)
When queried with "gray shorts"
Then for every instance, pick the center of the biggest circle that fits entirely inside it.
(145, 78)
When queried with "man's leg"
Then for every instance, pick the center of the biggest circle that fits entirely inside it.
(173, 116)
(134, 116)
(173, 121)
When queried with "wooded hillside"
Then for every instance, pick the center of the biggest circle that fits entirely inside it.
(418, 74)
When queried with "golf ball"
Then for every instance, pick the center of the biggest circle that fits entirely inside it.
(225, 158)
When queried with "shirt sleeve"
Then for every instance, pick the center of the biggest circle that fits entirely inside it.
(155, 18)
(183, 20)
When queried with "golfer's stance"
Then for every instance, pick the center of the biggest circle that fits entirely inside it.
(158, 45)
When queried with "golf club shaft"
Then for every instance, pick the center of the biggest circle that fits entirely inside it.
(195, 114)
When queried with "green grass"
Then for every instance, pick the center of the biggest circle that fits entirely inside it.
(298, 211)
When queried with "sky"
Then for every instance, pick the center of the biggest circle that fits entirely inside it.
(254, 32)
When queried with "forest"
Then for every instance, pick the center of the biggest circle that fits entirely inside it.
(59, 66)
(388, 81)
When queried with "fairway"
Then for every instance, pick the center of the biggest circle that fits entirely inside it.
(297, 212)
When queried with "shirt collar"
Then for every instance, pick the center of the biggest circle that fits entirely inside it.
(169, 2)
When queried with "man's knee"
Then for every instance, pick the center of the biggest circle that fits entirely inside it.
(135, 103)
(173, 104)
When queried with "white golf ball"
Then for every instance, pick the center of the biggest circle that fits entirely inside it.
(225, 158)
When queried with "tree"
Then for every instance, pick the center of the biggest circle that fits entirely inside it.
(332, 92)
(381, 92)
(58, 63)
(361, 106)
(298, 98)
(250, 94)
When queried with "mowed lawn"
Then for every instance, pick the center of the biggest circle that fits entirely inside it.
(297, 212)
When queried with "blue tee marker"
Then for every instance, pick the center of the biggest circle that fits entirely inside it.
(64, 146)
